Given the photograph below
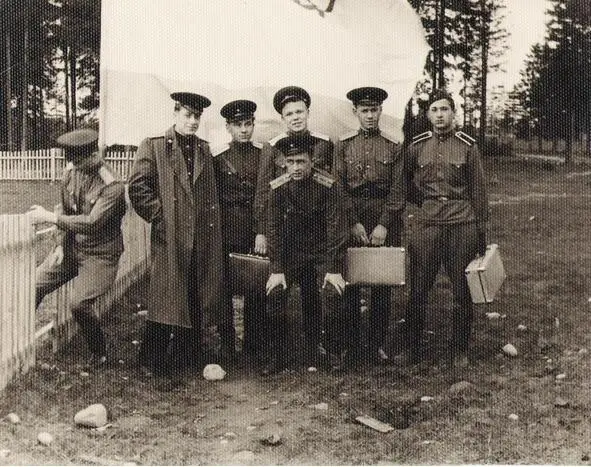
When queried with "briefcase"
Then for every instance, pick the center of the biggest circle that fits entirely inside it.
(485, 275)
(248, 273)
(383, 265)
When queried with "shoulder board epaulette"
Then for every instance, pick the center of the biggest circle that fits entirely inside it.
(315, 134)
(273, 141)
(257, 145)
(389, 137)
(322, 178)
(281, 180)
(348, 135)
(106, 175)
(201, 140)
(422, 137)
(156, 137)
(219, 149)
(465, 138)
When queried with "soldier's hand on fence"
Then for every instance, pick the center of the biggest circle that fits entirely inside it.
(359, 234)
(260, 245)
(58, 255)
(336, 280)
(39, 215)
(378, 236)
(276, 279)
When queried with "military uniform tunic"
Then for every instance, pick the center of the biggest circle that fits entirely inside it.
(273, 165)
(306, 239)
(90, 214)
(446, 180)
(369, 164)
(236, 168)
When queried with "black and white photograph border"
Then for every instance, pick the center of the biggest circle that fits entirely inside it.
(139, 327)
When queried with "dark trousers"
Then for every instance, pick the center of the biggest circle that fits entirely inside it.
(369, 212)
(93, 275)
(452, 246)
(379, 315)
(167, 349)
(322, 313)
(255, 323)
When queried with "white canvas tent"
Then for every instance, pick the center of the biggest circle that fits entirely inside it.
(247, 49)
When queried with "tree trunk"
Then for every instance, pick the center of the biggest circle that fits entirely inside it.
(440, 40)
(66, 87)
(73, 88)
(484, 30)
(25, 91)
(8, 94)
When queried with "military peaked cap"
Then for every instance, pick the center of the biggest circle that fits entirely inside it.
(440, 94)
(367, 96)
(296, 144)
(191, 101)
(79, 143)
(238, 110)
(290, 94)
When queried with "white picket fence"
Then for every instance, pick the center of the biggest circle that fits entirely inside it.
(48, 164)
(18, 337)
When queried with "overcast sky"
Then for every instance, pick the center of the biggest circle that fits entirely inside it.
(526, 22)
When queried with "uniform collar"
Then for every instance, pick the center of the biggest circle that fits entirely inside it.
(241, 146)
(184, 139)
(443, 136)
(368, 133)
(305, 132)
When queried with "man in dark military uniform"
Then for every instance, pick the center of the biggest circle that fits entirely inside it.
(172, 186)
(446, 180)
(307, 235)
(236, 167)
(293, 104)
(369, 165)
(90, 240)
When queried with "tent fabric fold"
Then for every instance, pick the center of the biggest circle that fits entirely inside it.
(247, 49)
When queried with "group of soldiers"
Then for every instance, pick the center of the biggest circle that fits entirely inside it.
(300, 199)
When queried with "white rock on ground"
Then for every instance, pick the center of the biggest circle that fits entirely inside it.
(213, 372)
(13, 418)
(45, 438)
(93, 416)
(510, 350)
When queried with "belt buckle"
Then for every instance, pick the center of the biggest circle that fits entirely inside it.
(443, 198)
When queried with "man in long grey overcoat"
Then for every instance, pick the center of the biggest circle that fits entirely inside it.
(172, 186)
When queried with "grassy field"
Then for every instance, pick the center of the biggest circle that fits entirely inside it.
(16, 197)
(540, 221)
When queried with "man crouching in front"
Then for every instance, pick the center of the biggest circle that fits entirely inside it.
(307, 235)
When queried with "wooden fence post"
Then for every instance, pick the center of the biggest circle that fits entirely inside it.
(52, 169)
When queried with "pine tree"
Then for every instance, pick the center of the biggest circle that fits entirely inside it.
(553, 89)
